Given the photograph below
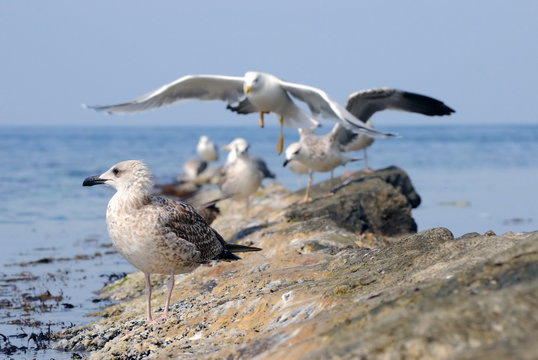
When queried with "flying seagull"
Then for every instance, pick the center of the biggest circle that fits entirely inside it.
(155, 234)
(254, 92)
(365, 103)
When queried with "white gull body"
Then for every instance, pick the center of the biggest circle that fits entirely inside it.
(206, 149)
(241, 177)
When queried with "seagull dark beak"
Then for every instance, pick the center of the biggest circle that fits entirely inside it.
(285, 163)
(93, 180)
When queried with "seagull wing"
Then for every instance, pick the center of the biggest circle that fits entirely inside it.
(188, 231)
(190, 87)
(261, 165)
(320, 103)
(363, 104)
(243, 107)
(342, 136)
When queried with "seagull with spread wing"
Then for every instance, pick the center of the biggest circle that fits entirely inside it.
(365, 103)
(254, 92)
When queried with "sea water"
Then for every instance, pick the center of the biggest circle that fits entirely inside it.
(470, 178)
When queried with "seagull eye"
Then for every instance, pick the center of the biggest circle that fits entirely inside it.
(296, 152)
(116, 171)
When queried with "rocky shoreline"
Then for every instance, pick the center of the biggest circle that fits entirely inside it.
(344, 276)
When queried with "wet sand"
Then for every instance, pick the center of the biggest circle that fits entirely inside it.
(40, 295)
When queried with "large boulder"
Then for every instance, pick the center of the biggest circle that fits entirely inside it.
(378, 203)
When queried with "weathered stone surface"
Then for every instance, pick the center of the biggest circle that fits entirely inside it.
(378, 203)
(315, 292)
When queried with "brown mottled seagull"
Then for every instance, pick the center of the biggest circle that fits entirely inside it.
(155, 234)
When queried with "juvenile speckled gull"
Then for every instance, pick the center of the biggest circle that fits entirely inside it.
(320, 153)
(206, 149)
(155, 234)
(254, 92)
(365, 103)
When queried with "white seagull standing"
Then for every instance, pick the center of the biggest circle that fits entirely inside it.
(206, 149)
(365, 103)
(155, 234)
(254, 92)
(241, 177)
(320, 153)
(241, 145)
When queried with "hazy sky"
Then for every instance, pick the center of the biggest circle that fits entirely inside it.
(479, 57)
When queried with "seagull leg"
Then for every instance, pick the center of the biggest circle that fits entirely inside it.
(149, 319)
(261, 121)
(170, 286)
(307, 196)
(366, 169)
(280, 144)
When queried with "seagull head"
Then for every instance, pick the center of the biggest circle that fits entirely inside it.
(252, 81)
(203, 139)
(130, 175)
(292, 152)
(238, 146)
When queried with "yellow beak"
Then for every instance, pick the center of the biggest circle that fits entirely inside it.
(226, 147)
(247, 89)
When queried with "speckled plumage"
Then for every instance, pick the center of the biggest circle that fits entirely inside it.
(162, 236)
(156, 234)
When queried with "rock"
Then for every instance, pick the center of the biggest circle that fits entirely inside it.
(315, 293)
(377, 203)
(180, 190)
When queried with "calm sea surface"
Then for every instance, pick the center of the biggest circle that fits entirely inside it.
(470, 178)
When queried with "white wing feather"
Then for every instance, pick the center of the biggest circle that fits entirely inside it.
(190, 87)
(320, 103)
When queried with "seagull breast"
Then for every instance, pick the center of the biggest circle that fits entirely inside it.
(267, 94)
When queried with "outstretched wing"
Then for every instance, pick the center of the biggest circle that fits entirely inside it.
(342, 136)
(320, 103)
(190, 87)
(363, 104)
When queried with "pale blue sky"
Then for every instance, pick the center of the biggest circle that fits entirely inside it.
(480, 57)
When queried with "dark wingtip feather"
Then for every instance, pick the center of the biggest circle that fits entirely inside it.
(227, 255)
(230, 249)
(240, 248)
(237, 109)
(427, 105)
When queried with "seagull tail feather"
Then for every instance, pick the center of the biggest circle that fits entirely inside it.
(230, 249)
(240, 248)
